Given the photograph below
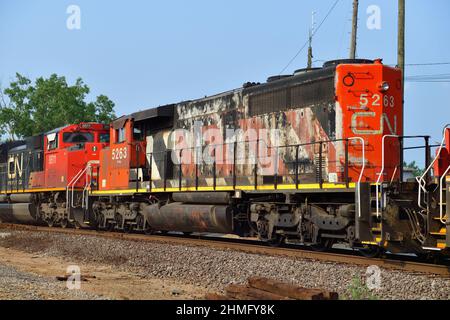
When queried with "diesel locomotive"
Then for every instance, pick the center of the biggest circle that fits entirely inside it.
(313, 158)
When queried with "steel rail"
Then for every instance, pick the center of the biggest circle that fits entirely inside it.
(249, 246)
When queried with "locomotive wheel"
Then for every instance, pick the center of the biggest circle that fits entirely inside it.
(140, 223)
(370, 251)
(51, 222)
(64, 223)
(101, 223)
(127, 228)
(148, 231)
(262, 226)
(277, 241)
(110, 227)
(323, 245)
(263, 230)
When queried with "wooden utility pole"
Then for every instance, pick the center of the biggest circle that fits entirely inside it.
(401, 37)
(401, 65)
(354, 29)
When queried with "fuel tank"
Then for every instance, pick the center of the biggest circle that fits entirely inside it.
(18, 213)
(190, 218)
(21, 198)
(202, 197)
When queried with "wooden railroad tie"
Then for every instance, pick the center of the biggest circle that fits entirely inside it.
(259, 288)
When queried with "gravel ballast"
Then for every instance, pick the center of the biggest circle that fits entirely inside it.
(214, 269)
(18, 285)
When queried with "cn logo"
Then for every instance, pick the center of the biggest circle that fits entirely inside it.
(15, 165)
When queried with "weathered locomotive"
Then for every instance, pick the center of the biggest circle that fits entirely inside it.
(312, 158)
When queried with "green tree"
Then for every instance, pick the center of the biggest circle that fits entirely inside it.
(412, 165)
(27, 109)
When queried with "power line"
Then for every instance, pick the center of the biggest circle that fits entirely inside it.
(429, 64)
(422, 64)
(312, 35)
(429, 81)
(430, 75)
(430, 78)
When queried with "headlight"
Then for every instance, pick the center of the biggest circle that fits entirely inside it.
(384, 87)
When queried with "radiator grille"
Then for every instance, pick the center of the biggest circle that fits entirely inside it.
(292, 97)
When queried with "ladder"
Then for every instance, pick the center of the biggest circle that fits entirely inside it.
(87, 173)
(436, 221)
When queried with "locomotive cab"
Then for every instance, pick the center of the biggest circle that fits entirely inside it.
(126, 163)
(67, 151)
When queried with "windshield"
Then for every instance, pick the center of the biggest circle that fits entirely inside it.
(78, 137)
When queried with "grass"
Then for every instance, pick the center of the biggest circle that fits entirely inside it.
(358, 290)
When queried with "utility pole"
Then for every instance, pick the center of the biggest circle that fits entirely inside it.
(401, 38)
(311, 33)
(354, 29)
(401, 65)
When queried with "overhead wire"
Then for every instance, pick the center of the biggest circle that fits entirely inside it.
(313, 34)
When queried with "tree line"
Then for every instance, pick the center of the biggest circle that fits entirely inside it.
(28, 108)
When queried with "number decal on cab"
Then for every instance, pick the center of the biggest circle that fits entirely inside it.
(119, 153)
(388, 101)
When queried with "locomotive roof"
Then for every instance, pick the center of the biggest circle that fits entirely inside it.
(6, 146)
(300, 76)
(166, 111)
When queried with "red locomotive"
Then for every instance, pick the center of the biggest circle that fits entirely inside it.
(37, 174)
(313, 158)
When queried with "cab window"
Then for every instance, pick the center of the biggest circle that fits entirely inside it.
(137, 134)
(120, 135)
(104, 138)
(78, 137)
(52, 141)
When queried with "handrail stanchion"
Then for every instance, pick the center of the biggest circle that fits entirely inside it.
(320, 165)
(441, 201)
(137, 167)
(276, 168)
(346, 174)
(150, 172)
(256, 164)
(180, 174)
(401, 144)
(422, 179)
(297, 151)
(214, 170)
(165, 169)
(377, 185)
(427, 156)
(363, 167)
(234, 164)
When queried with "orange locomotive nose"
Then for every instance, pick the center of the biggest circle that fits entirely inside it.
(369, 102)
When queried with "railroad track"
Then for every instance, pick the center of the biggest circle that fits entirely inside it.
(249, 246)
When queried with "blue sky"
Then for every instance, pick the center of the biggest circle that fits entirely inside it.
(146, 53)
